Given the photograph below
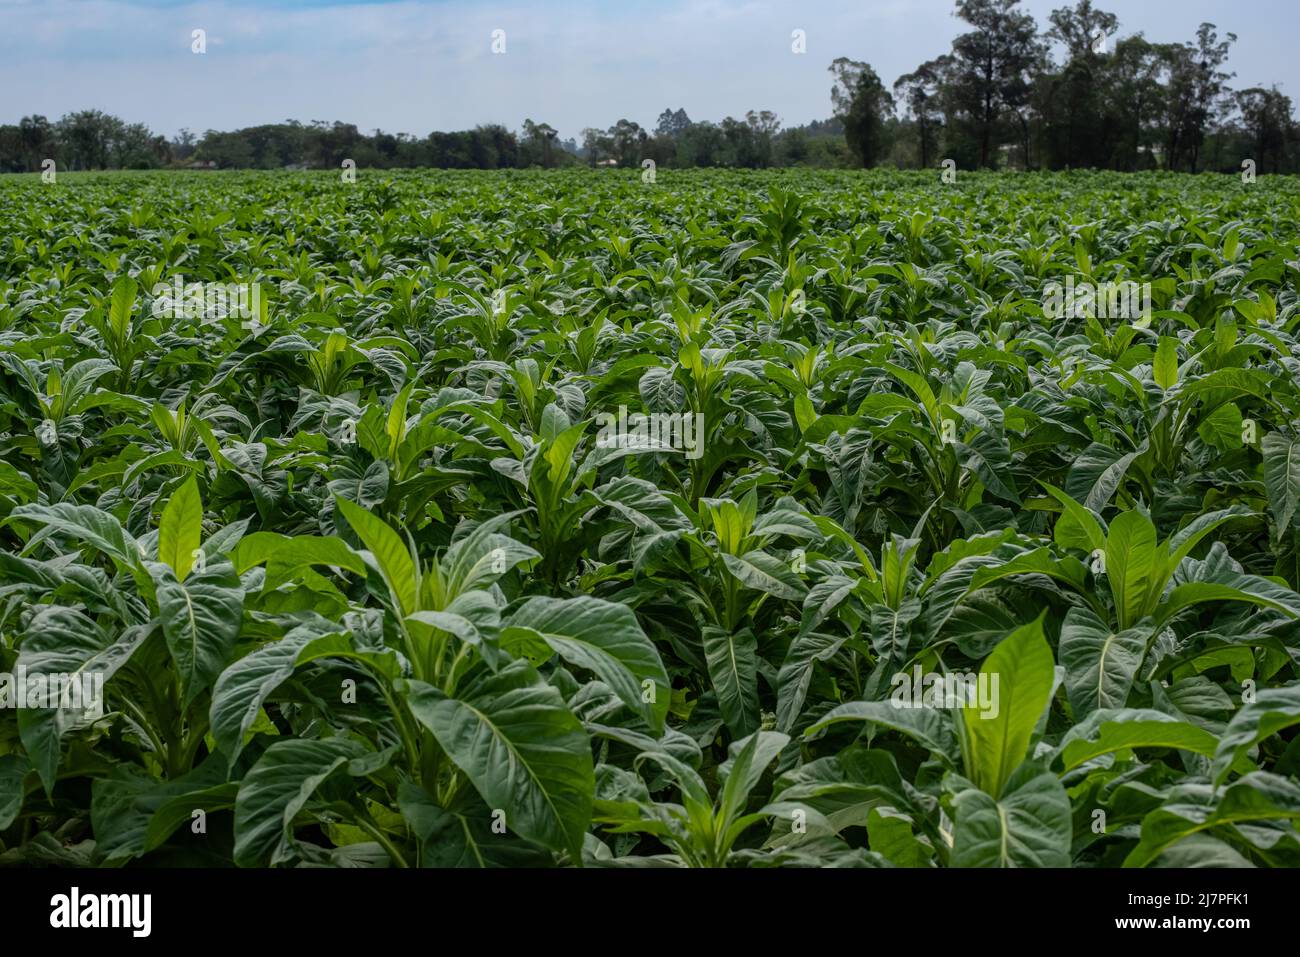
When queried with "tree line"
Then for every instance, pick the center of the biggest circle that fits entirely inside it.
(1006, 94)
(1075, 94)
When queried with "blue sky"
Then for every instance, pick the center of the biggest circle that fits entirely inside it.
(414, 66)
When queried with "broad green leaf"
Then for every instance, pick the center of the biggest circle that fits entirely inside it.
(391, 555)
(1165, 366)
(890, 833)
(766, 573)
(1282, 477)
(201, 618)
(180, 530)
(1100, 662)
(932, 728)
(121, 303)
(64, 642)
(741, 772)
(1077, 527)
(605, 638)
(1194, 809)
(286, 556)
(1131, 563)
(1020, 675)
(732, 659)
(243, 688)
(1097, 473)
(13, 770)
(796, 673)
(1273, 710)
(276, 788)
(1028, 826)
(1250, 589)
(522, 749)
(1121, 729)
(179, 811)
(84, 524)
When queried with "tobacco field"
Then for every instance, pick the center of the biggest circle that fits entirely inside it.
(354, 580)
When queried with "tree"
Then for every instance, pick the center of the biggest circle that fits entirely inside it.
(227, 150)
(701, 144)
(1194, 95)
(794, 147)
(596, 145)
(991, 68)
(627, 140)
(1070, 101)
(862, 103)
(920, 92)
(1266, 115)
(1134, 98)
(539, 137)
(85, 137)
(672, 124)
(1083, 30)
(36, 141)
(183, 145)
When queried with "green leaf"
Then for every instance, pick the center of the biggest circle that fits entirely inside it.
(1097, 473)
(1273, 710)
(180, 530)
(751, 757)
(1250, 589)
(1020, 674)
(464, 836)
(201, 618)
(63, 641)
(83, 523)
(1077, 527)
(796, 673)
(605, 638)
(1222, 427)
(930, 727)
(1121, 729)
(179, 811)
(1028, 826)
(1165, 366)
(766, 573)
(286, 556)
(1195, 808)
(276, 788)
(1131, 563)
(392, 556)
(1282, 477)
(125, 289)
(522, 749)
(890, 833)
(732, 661)
(243, 688)
(1100, 663)
(13, 770)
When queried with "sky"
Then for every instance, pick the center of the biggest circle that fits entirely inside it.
(417, 65)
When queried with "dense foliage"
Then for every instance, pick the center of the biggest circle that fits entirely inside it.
(366, 587)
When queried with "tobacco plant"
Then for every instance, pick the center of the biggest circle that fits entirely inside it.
(943, 579)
